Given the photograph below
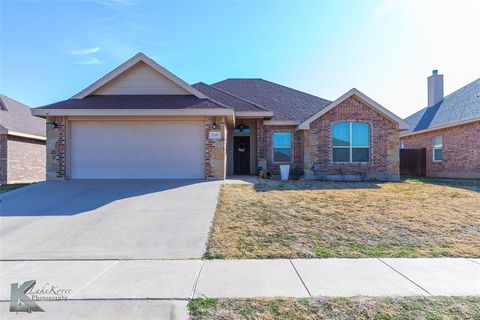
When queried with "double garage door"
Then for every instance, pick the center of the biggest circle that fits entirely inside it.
(137, 150)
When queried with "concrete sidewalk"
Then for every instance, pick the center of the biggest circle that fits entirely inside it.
(184, 279)
(167, 285)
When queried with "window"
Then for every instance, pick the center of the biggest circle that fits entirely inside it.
(242, 128)
(402, 144)
(282, 146)
(351, 142)
(437, 146)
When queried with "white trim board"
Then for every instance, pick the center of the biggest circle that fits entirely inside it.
(254, 114)
(402, 124)
(281, 123)
(132, 112)
(139, 57)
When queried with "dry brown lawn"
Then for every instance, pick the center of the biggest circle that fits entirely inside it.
(412, 218)
(400, 308)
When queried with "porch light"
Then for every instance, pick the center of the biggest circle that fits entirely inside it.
(214, 125)
(53, 124)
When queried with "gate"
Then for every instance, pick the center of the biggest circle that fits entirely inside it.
(413, 162)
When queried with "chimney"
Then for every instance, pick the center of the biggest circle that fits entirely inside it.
(435, 88)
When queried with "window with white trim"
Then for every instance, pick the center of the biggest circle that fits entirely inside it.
(350, 142)
(282, 146)
(437, 147)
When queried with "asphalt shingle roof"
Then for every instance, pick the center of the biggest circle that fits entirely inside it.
(286, 103)
(461, 105)
(17, 117)
(136, 102)
(226, 98)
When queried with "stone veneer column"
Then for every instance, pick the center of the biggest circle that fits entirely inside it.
(393, 155)
(56, 149)
(261, 160)
(215, 149)
(310, 153)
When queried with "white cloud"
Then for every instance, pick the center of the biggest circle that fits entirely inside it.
(386, 6)
(84, 51)
(90, 61)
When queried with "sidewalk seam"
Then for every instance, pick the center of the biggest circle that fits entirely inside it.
(471, 260)
(299, 277)
(404, 276)
(14, 268)
(93, 279)
(196, 280)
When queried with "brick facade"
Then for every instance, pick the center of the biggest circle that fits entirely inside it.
(56, 148)
(311, 149)
(461, 150)
(215, 149)
(22, 160)
(384, 161)
(265, 152)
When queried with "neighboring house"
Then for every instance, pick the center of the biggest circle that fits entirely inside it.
(22, 143)
(449, 129)
(142, 122)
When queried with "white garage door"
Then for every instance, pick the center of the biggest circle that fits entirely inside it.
(137, 150)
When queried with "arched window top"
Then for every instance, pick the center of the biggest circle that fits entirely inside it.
(242, 128)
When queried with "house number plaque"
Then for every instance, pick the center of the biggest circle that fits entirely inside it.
(214, 135)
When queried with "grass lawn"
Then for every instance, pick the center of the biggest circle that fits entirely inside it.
(297, 219)
(10, 187)
(337, 308)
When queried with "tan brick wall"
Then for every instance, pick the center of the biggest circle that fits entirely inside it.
(215, 149)
(22, 159)
(3, 158)
(461, 150)
(384, 143)
(26, 160)
(56, 148)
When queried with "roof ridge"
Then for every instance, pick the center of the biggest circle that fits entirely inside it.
(309, 94)
(235, 96)
(277, 84)
(441, 101)
(453, 92)
(3, 105)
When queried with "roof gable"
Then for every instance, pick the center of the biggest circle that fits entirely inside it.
(402, 124)
(16, 117)
(139, 75)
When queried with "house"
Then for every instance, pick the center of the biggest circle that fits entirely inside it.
(142, 122)
(449, 129)
(22, 143)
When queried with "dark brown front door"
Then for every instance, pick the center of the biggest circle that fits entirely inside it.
(241, 155)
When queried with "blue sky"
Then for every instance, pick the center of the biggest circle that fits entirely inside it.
(50, 50)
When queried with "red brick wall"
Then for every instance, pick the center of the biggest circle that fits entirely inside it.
(384, 144)
(461, 150)
(266, 151)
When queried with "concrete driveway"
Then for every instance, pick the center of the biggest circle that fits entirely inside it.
(107, 219)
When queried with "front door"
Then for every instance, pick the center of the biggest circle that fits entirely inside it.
(241, 155)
